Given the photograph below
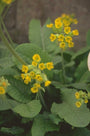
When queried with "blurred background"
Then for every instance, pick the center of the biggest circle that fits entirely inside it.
(22, 11)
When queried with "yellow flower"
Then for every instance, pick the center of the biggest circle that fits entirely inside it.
(34, 89)
(71, 44)
(66, 22)
(52, 37)
(37, 85)
(78, 104)
(25, 68)
(67, 30)
(7, 1)
(41, 66)
(2, 90)
(75, 32)
(39, 78)
(77, 95)
(49, 25)
(34, 63)
(23, 76)
(27, 79)
(47, 83)
(61, 37)
(86, 101)
(68, 39)
(49, 65)
(36, 57)
(26, 82)
(32, 74)
(62, 45)
(75, 21)
(58, 25)
(58, 22)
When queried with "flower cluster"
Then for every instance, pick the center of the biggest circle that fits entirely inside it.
(3, 85)
(35, 73)
(7, 1)
(62, 33)
(82, 97)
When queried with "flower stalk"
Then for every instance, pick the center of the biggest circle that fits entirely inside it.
(63, 67)
(40, 97)
(6, 42)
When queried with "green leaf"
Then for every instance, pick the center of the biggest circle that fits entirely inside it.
(81, 53)
(4, 52)
(80, 132)
(78, 85)
(39, 35)
(70, 64)
(27, 50)
(6, 61)
(77, 117)
(8, 71)
(72, 85)
(58, 85)
(41, 125)
(18, 90)
(35, 29)
(85, 77)
(88, 38)
(57, 59)
(55, 119)
(81, 69)
(28, 110)
(6, 103)
(45, 36)
(13, 130)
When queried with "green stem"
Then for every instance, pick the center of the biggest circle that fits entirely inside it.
(41, 99)
(63, 68)
(8, 36)
(8, 45)
(6, 10)
(4, 27)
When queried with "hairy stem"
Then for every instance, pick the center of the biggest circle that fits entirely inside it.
(41, 99)
(63, 68)
(8, 45)
(6, 32)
